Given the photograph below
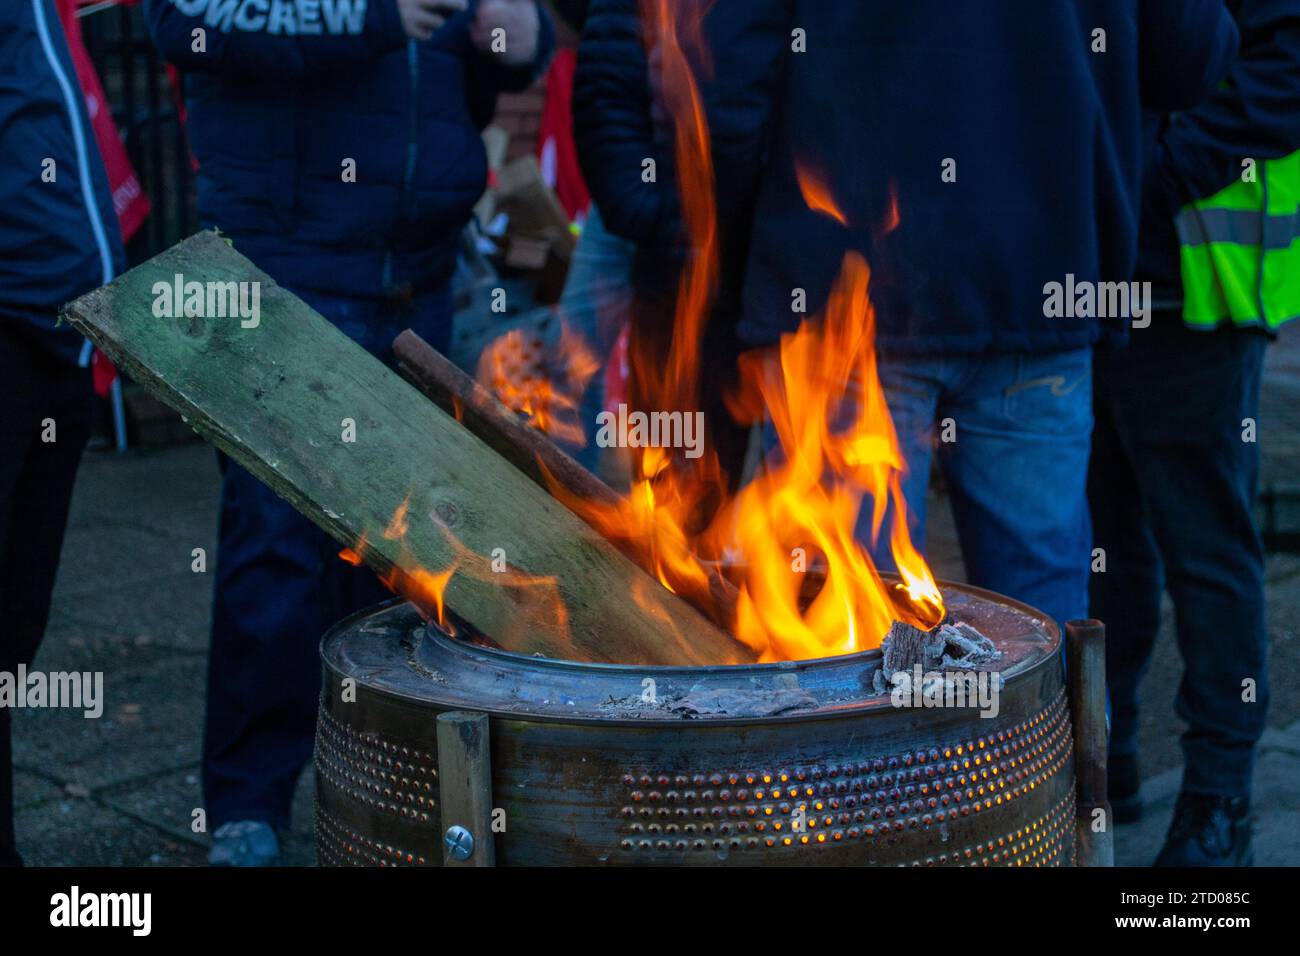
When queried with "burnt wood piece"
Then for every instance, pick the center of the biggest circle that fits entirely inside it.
(506, 433)
(906, 646)
(412, 493)
(533, 453)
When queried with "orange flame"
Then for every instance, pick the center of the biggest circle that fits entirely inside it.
(544, 384)
(745, 554)
(534, 596)
(803, 508)
(801, 512)
(817, 195)
(399, 525)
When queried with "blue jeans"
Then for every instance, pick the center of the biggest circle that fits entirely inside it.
(1016, 467)
(279, 585)
(597, 301)
(1173, 491)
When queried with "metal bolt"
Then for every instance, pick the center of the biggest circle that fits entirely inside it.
(459, 842)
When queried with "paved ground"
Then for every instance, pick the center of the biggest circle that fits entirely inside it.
(123, 789)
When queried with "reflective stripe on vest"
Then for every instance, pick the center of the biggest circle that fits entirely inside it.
(1241, 251)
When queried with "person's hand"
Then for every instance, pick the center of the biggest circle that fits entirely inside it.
(516, 44)
(421, 17)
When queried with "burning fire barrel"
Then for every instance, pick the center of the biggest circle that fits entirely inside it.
(799, 762)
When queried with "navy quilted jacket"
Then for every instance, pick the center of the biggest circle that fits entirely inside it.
(287, 98)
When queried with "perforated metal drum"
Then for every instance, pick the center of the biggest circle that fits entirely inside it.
(769, 764)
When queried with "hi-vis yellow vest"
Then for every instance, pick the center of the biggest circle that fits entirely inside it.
(1241, 250)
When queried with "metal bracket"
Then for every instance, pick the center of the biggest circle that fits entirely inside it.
(1085, 647)
(465, 788)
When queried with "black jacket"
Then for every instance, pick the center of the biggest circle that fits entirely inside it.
(615, 131)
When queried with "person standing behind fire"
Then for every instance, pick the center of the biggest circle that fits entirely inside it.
(1175, 459)
(59, 238)
(634, 248)
(338, 147)
(1007, 137)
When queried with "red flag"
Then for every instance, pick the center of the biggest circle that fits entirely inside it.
(557, 153)
(102, 373)
(129, 201)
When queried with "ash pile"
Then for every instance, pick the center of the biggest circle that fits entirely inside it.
(950, 646)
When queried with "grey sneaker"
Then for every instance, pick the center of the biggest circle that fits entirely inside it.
(244, 843)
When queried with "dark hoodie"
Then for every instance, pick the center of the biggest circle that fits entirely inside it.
(1045, 129)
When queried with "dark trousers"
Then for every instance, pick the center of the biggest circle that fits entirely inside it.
(1172, 488)
(36, 479)
(279, 585)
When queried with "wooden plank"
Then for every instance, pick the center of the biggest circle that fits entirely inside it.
(279, 397)
(465, 788)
